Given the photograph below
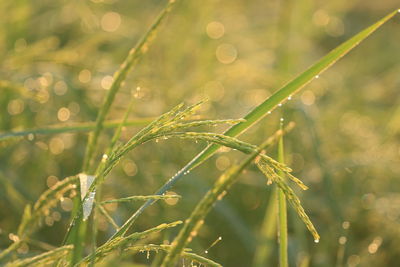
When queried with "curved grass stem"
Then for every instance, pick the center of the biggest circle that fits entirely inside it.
(225, 181)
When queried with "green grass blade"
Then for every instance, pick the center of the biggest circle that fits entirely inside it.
(185, 254)
(295, 85)
(139, 198)
(124, 242)
(262, 110)
(76, 127)
(43, 259)
(119, 77)
(108, 216)
(224, 182)
(267, 232)
(283, 235)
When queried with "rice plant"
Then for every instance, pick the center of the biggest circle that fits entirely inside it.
(102, 226)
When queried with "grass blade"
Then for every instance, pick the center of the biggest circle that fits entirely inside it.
(124, 242)
(42, 259)
(274, 100)
(119, 77)
(139, 198)
(283, 235)
(267, 233)
(204, 206)
(185, 254)
(294, 86)
(77, 127)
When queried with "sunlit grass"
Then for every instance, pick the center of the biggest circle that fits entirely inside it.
(101, 157)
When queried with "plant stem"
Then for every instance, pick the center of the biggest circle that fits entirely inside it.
(268, 231)
(283, 254)
(262, 110)
(75, 127)
(221, 186)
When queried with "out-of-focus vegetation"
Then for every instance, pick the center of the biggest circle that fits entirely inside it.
(57, 62)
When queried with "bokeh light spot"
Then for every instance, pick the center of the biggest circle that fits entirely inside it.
(51, 181)
(60, 88)
(85, 76)
(56, 145)
(320, 18)
(106, 82)
(63, 114)
(110, 22)
(222, 163)
(15, 107)
(226, 53)
(129, 167)
(215, 30)
(67, 204)
(307, 97)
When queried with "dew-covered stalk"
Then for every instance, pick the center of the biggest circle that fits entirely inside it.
(283, 236)
(76, 232)
(71, 128)
(276, 99)
(100, 167)
(42, 259)
(185, 254)
(119, 77)
(219, 189)
(124, 242)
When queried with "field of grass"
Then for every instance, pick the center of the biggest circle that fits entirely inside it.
(199, 133)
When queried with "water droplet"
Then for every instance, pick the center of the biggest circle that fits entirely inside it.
(280, 104)
(269, 112)
(282, 119)
(398, 10)
(206, 251)
(104, 158)
(289, 98)
(220, 238)
(316, 240)
(316, 76)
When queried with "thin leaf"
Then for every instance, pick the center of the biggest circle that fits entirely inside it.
(76, 127)
(139, 198)
(274, 100)
(295, 85)
(219, 189)
(42, 259)
(119, 77)
(282, 214)
(123, 242)
(185, 254)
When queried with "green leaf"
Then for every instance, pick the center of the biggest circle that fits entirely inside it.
(294, 86)
(76, 127)
(268, 105)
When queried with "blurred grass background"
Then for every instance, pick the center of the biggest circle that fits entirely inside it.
(57, 61)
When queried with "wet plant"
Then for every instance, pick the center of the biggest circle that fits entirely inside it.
(81, 245)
